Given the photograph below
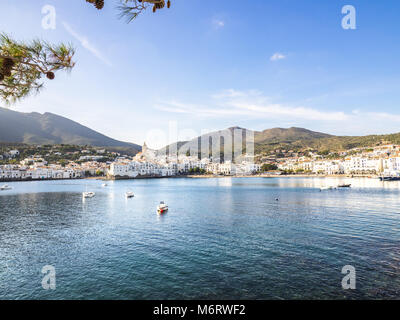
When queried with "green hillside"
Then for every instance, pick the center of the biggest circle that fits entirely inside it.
(48, 128)
(294, 139)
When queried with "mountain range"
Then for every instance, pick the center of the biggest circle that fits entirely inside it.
(49, 128)
(295, 139)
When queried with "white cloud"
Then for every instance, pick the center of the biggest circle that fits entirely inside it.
(218, 23)
(233, 105)
(86, 44)
(250, 104)
(277, 56)
(232, 93)
(384, 116)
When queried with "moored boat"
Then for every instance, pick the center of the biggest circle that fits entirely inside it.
(5, 187)
(344, 185)
(162, 208)
(88, 194)
(129, 194)
(389, 178)
(327, 188)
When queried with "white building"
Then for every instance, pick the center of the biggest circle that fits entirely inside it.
(13, 153)
(227, 168)
(90, 158)
(361, 165)
(134, 169)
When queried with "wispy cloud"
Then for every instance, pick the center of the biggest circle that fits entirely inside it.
(277, 56)
(218, 23)
(249, 103)
(252, 105)
(383, 116)
(232, 93)
(86, 44)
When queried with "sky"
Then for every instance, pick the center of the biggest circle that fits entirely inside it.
(205, 65)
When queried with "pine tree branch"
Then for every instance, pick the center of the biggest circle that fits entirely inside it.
(23, 65)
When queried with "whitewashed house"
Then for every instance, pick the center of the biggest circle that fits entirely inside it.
(13, 153)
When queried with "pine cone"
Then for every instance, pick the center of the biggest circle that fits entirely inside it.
(91, 1)
(160, 5)
(99, 4)
(6, 72)
(169, 4)
(50, 75)
(8, 63)
(154, 8)
(1, 77)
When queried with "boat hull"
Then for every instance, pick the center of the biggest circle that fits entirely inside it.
(389, 178)
(87, 195)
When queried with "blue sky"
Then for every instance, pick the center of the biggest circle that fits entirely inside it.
(204, 65)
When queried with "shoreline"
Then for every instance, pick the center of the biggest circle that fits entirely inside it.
(285, 176)
(206, 176)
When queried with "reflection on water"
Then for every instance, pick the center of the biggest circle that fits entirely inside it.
(222, 238)
(318, 182)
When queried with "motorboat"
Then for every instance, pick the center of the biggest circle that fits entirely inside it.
(129, 194)
(389, 178)
(88, 194)
(162, 208)
(104, 185)
(5, 187)
(344, 185)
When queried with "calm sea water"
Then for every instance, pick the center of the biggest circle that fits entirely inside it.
(224, 238)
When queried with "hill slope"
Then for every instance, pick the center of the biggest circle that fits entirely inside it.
(48, 128)
(264, 141)
(291, 137)
(213, 139)
(296, 139)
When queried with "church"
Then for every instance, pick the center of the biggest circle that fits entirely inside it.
(147, 154)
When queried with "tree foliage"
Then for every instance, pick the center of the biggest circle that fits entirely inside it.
(130, 9)
(23, 65)
(197, 170)
(269, 167)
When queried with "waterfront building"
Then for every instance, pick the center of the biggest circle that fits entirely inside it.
(13, 153)
(361, 165)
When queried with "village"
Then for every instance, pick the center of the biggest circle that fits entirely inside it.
(383, 160)
(380, 160)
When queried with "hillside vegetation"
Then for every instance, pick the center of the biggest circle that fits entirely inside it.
(293, 139)
(49, 128)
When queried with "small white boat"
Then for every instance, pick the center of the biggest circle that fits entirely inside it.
(5, 187)
(162, 208)
(129, 194)
(88, 194)
(104, 185)
(327, 188)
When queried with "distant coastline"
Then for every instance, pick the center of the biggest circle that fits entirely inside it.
(285, 176)
(205, 176)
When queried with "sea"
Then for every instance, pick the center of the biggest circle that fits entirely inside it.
(222, 238)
